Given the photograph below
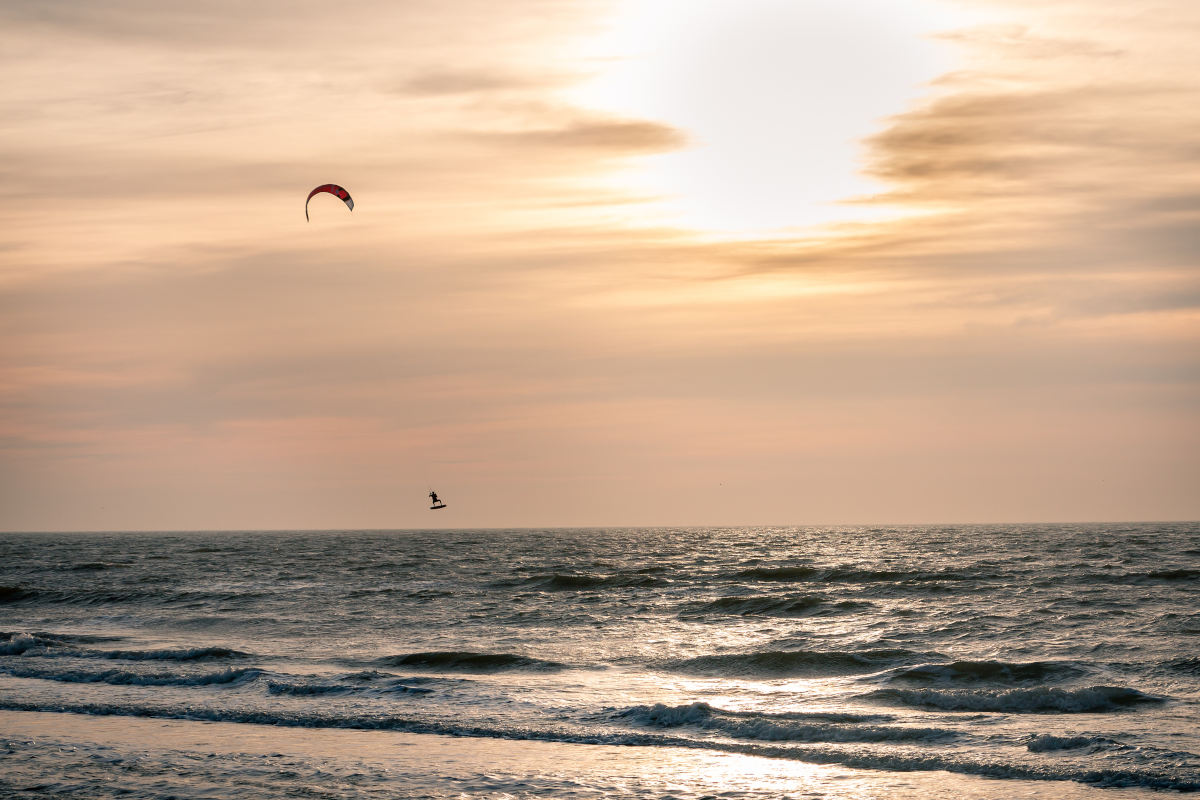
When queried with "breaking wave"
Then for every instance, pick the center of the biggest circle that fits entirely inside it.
(118, 677)
(1092, 699)
(854, 756)
(1047, 743)
(785, 727)
(49, 646)
(1003, 672)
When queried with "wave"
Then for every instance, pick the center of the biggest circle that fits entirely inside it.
(575, 581)
(314, 689)
(186, 654)
(794, 727)
(1092, 699)
(49, 645)
(117, 677)
(848, 574)
(21, 643)
(774, 663)
(467, 661)
(1185, 666)
(1047, 743)
(1174, 574)
(778, 573)
(770, 606)
(856, 756)
(14, 594)
(60, 638)
(18, 594)
(1178, 574)
(1003, 672)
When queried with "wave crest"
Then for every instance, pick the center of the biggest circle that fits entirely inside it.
(1002, 672)
(794, 662)
(1091, 699)
(787, 727)
(467, 661)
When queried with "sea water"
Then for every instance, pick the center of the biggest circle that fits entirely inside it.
(984, 661)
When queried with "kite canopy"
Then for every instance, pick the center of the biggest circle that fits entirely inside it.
(333, 189)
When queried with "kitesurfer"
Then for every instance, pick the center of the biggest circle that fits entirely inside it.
(434, 498)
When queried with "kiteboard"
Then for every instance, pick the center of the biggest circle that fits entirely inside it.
(436, 507)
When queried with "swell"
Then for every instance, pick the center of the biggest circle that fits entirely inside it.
(1150, 576)
(1047, 743)
(468, 661)
(318, 689)
(849, 574)
(996, 672)
(793, 662)
(52, 646)
(31, 595)
(771, 606)
(794, 727)
(1088, 700)
(856, 756)
(117, 677)
(576, 581)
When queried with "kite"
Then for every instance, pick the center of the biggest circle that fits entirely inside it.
(333, 189)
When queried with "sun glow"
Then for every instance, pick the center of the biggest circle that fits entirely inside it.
(774, 97)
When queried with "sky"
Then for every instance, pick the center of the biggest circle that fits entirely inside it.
(658, 262)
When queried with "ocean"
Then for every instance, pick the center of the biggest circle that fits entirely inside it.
(840, 662)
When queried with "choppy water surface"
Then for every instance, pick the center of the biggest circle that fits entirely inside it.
(1063, 658)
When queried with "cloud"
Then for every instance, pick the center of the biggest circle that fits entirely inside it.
(605, 135)
(468, 82)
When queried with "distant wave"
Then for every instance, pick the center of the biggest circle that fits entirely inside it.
(778, 573)
(14, 594)
(117, 677)
(778, 727)
(847, 574)
(856, 756)
(1178, 574)
(1092, 699)
(1174, 574)
(582, 581)
(773, 663)
(1184, 666)
(1002, 672)
(466, 661)
(313, 689)
(19, 594)
(771, 606)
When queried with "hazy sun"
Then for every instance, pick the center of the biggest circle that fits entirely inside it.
(775, 97)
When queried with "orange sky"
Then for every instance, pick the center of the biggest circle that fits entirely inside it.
(653, 262)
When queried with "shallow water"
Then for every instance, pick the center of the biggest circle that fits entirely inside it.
(1000, 661)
